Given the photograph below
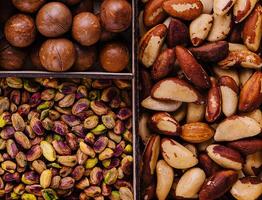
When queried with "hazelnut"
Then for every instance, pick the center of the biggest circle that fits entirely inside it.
(84, 6)
(85, 57)
(116, 15)
(20, 30)
(11, 58)
(28, 6)
(53, 19)
(114, 57)
(57, 54)
(86, 28)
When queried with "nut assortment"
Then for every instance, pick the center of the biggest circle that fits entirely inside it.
(63, 33)
(69, 138)
(201, 94)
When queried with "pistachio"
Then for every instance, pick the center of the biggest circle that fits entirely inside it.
(49, 194)
(68, 161)
(30, 178)
(48, 151)
(124, 113)
(93, 191)
(31, 86)
(34, 189)
(15, 97)
(90, 163)
(125, 193)
(96, 176)
(55, 182)
(66, 183)
(52, 114)
(14, 82)
(70, 120)
(111, 176)
(27, 196)
(67, 101)
(109, 121)
(8, 166)
(37, 126)
(106, 154)
(46, 178)
(18, 122)
(7, 132)
(87, 149)
(100, 144)
(22, 139)
(39, 166)
(99, 129)
(45, 105)
(11, 148)
(78, 172)
(48, 94)
(80, 106)
(109, 93)
(4, 104)
(84, 183)
(60, 127)
(21, 159)
(99, 107)
(34, 153)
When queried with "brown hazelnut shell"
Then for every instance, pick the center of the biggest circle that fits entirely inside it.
(85, 57)
(20, 30)
(86, 21)
(57, 54)
(116, 15)
(35, 57)
(11, 58)
(28, 6)
(54, 19)
(114, 57)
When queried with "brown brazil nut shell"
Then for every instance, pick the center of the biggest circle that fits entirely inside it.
(183, 9)
(164, 64)
(116, 15)
(175, 89)
(218, 184)
(177, 34)
(151, 44)
(20, 30)
(193, 71)
(114, 57)
(237, 127)
(165, 124)
(85, 57)
(11, 58)
(28, 6)
(150, 157)
(247, 146)
(211, 52)
(252, 33)
(184, 158)
(57, 54)
(196, 132)
(247, 188)
(53, 19)
(208, 165)
(251, 94)
(81, 23)
(225, 156)
(153, 13)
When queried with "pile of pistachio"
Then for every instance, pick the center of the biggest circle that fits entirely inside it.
(69, 139)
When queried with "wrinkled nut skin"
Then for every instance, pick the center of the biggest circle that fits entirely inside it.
(150, 157)
(196, 132)
(211, 52)
(57, 54)
(114, 57)
(177, 34)
(251, 33)
(20, 30)
(116, 15)
(191, 68)
(153, 13)
(164, 64)
(83, 21)
(183, 9)
(218, 184)
(163, 123)
(150, 44)
(28, 6)
(250, 95)
(53, 19)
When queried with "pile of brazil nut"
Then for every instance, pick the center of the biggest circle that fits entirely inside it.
(200, 123)
(65, 35)
(65, 139)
